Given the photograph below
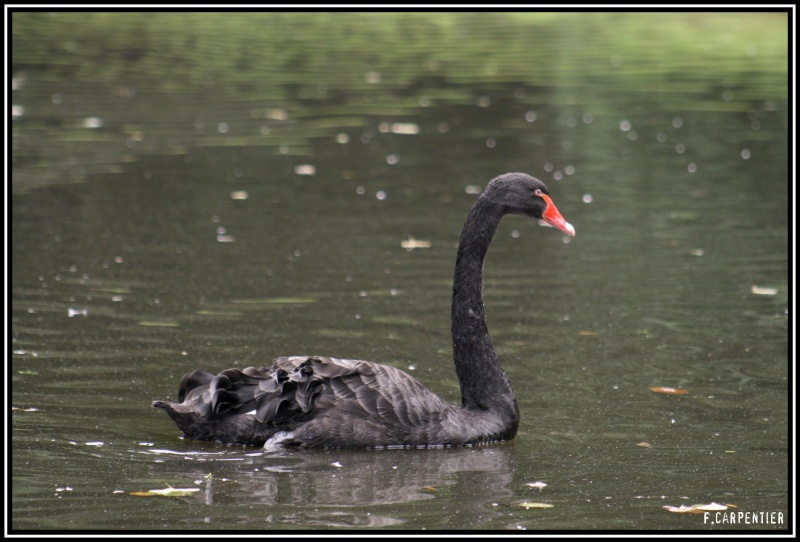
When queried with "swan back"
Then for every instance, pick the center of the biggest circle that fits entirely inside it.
(316, 401)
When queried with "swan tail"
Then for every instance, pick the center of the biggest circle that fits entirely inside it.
(248, 406)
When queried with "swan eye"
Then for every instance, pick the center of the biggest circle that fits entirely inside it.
(537, 192)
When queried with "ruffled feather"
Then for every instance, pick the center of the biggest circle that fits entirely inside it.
(322, 401)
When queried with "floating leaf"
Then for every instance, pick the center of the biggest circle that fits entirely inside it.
(698, 508)
(305, 169)
(758, 290)
(274, 300)
(682, 509)
(428, 488)
(155, 323)
(672, 391)
(644, 444)
(218, 313)
(588, 333)
(408, 128)
(527, 504)
(710, 507)
(411, 243)
(168, 492)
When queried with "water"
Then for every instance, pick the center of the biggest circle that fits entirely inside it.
(233, 208)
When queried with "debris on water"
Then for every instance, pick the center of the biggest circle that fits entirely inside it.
(671, 391)
(168, 492)
(411, 243)
(538, 484)
(758, 290)
(698, 508)
(305, 169)
(473, 189)
(529, 505)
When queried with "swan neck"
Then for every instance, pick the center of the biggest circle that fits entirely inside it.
(484, 384)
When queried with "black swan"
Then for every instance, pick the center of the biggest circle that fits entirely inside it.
(340, 403)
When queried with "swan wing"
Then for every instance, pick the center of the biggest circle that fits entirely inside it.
(319, 401)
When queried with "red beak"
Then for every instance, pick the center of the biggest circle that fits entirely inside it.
(554, 218)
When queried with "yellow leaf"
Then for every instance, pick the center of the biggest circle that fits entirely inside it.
(169, 492)
(711, 507)
(672, 391)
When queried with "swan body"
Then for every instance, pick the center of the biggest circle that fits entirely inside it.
(315, 401)
(324, 402)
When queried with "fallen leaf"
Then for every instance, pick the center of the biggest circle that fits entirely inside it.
(175, 491)
(682, 509)
(698, 508)
(672, 391)
(305, 169)
(142, 494)
(527, 504)
(428, 488)
(168, 492)
(154, 323)
(411, 243)
(588, 333)
(711, 507)
(644, 444)
(758, 290)
(539, 485)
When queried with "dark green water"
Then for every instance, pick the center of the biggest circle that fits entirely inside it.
(218, 190)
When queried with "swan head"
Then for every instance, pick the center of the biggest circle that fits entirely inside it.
(522, 194)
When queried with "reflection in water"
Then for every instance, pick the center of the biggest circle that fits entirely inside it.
(346, 481)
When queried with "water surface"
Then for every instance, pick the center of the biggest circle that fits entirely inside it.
(199, 192)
